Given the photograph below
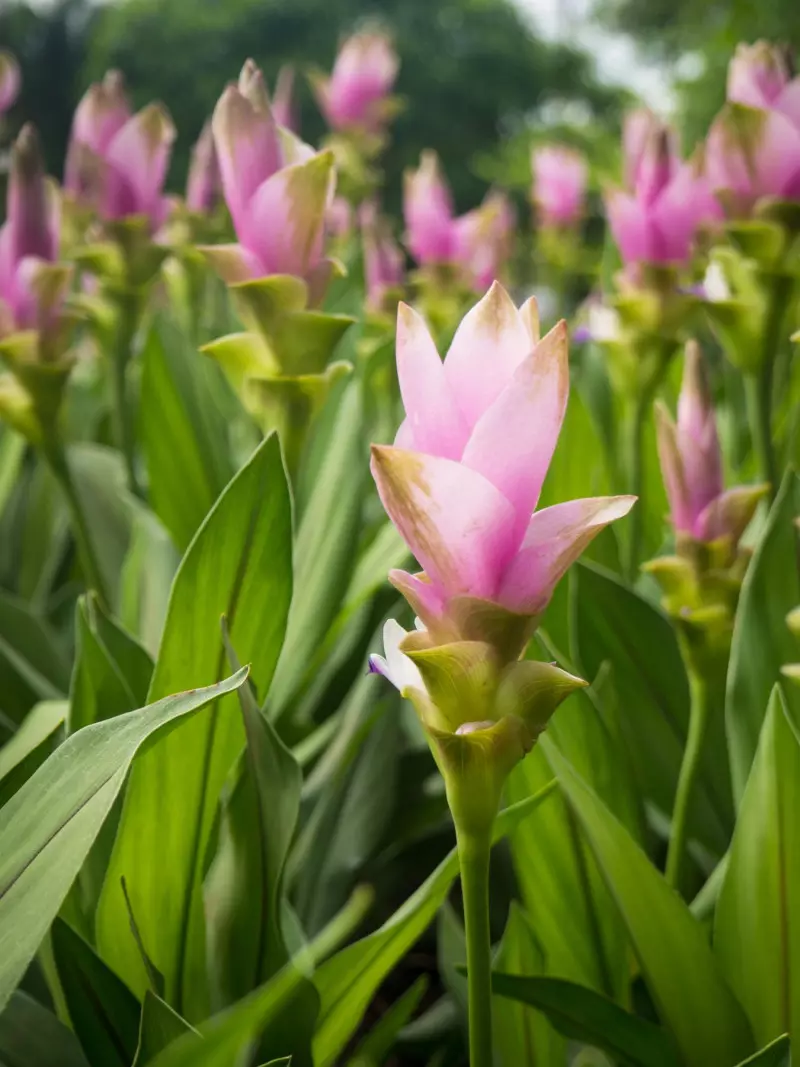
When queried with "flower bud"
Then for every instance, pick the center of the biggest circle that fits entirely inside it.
(363, 75)
(9, 80)
(559, 184)
(203, 186)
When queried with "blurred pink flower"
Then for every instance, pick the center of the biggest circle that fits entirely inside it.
(384, 263)
(29, 241)
(691, 463)
(116, 161)
(283, 105)
(203, 187)
(753, 147)
(559, 184)
(277, 188)
(362, 78)
(9, 80)
(463, 478)
(656, 221)
(478, 241)
(339, 217)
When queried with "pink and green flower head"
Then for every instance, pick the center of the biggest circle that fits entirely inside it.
(463, 478)
(355, 95)
(117, 161)
(753, 147)
(691, 465)
(559, 184)
(655, 220)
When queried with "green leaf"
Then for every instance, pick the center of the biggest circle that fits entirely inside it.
(146, 580)
(244, 896)
(576, 922)
(12, 451)
(112, 671)
(31, 1036)
(324, 551)
(375, 1048)
(612, 624)
(522, 1035)
(32, 664)
(239, 565)
(681, 972)
(48, 826)
(776, 1054)
(754, 934)
(347, 981)
(762, 643)
(103, 1011)
(183, 432)
(583, 1015)
(30, 746)
(160, 1026)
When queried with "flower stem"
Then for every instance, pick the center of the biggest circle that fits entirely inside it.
(758, 392)
(56, 457)
(699, 715)
(127, 323)
(473, 852)
(635, 468)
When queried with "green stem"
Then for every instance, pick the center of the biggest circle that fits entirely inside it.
(758, 392)
(635, 468)
(56, 457)
(699, 715)
(473, 854)
(127, 323)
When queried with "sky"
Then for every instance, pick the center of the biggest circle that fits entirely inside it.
(615, 55)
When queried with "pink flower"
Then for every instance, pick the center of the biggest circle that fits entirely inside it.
(753, 147)
(363, 75)
(463, 478)
(657, 220)
(9, 80)
(559, 184)
(384, 264)
(478, 241)
(29, 239)
(203, 185)
(339, 217)
(283, 106)
(691, 463)
(117, 161)
(277, 189)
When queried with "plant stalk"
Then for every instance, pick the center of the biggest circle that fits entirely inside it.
(127, 323)
(56, 457)
(635, 468)
(473, 852)
(699, 715)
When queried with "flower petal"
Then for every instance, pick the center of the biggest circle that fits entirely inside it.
(514, 440)
(730, 513)
(488, 346)
(233, 263)
(669, 455)
(555, 538)
(460, 528)
(434, 420)
(286, 217)
(632, 226)
(395, 666)
(138, 157)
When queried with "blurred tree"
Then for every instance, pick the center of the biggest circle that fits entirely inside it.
(472, 72)
(707, 32)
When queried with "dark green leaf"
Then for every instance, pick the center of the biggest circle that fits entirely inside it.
(754, 933)
(762, 643)
(102, 486)
(776, 1054)
(239, 565)
(48, 826)
(32, 664)
(103, 1011)
(159, 1027)
(30, 746)
(31, 1036)
(681, 972)
(583, 1015)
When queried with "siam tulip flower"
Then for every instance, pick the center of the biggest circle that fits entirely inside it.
(32, 289)
(462, 481)
(356, 94)
(477, 242)
(283, 105)
(559, 184)
(691, 464)
(753, 146)
(117, 161)
(656, 221)
(276, 188)
(203, 187)
(384, 263)
(9, 80)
